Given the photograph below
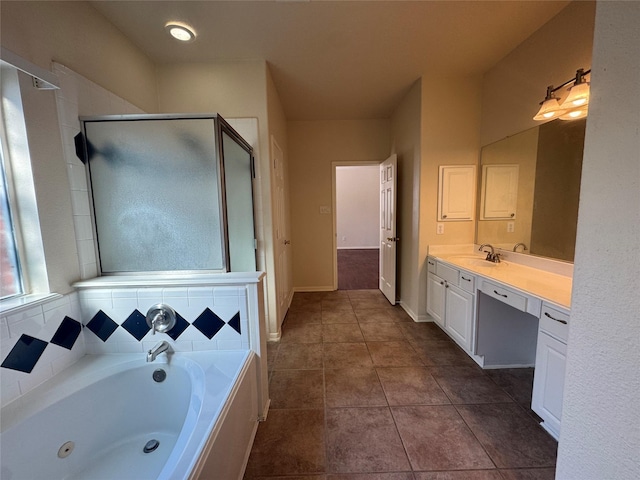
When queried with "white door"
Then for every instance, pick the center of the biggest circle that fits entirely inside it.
(282, 248)
(388, 239)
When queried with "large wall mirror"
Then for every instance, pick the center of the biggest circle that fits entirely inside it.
(536, 206)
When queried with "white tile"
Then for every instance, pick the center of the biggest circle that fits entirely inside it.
(89, 270)
(200, 292)
(40, 374)
(77, 177)
(227, 291)
(100, 348)
(204, 345)
(172, 292)
(130, 347)
(229, 344)
(54, 317)
(86, 251)
(95, 293)
(80, 202)
(200, 304)
(32, 326)
(182, 346)
(228, 302)
(126, 304)
(56, 303)
(4, 329)
(24, 314)
(83, 226)
(124, 293)
(153, 295)
(63, 362)
(178, 304)
(9, 392)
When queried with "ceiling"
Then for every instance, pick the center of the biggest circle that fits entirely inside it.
(337, 59)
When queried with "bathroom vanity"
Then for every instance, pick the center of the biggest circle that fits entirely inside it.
(505, 315)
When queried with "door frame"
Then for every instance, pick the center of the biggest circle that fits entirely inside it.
(334, 204)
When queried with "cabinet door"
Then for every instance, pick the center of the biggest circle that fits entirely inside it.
(499, 195)
(435, 298)
(456, 192)
(459, 316)
(548, 381)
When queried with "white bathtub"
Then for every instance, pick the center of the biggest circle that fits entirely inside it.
(204, 415)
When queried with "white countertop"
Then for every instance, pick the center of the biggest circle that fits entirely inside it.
(540, 283)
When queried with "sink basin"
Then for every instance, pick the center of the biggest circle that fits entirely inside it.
(472, 261)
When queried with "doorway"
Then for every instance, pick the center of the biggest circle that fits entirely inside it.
(356, 225)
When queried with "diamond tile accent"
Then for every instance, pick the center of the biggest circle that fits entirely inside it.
(25, 354)
(136, 325)
(235, 323)
(102, 325)
(208, 323)
(67, 333)
(180, 326)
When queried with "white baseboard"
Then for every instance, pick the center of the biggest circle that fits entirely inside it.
(414, 316)
(359, 248)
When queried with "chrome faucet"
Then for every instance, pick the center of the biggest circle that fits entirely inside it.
(163, 346)
(515, 247)
(491, 255)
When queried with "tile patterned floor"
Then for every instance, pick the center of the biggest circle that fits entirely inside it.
(361, 392)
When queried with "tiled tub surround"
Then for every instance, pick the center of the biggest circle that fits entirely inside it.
(214, 312)
(38, 341)
(202, 395)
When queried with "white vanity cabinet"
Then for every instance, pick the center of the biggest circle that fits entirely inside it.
(451, 301)
(551, 354)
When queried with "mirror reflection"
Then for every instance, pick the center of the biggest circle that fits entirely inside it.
(530, 188)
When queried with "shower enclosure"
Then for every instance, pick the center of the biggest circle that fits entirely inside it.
(170, 193)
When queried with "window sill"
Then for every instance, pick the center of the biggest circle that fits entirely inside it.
(15, 304)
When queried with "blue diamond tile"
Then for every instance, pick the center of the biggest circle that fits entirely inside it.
(208, 323)
(25, 354)
(180, 326)
(102, 325)
(136, 325)
(235, 323)
(67, 333)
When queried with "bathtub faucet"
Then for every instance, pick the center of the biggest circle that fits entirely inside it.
(163, 346)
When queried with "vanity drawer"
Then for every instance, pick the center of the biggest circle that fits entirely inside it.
(447, 273)
(467, 282)
(431, 264)
(554, 322)
(505, 295)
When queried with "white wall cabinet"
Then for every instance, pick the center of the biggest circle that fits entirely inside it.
(551, 355)
(451, 307)
(456, 192)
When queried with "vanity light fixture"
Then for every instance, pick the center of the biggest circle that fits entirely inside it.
(573, 107)
(181, 31)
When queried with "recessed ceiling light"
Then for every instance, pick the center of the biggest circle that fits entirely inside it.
(181, 31)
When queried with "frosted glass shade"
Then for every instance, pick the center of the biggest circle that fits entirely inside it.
(549, 109)
(578, 96)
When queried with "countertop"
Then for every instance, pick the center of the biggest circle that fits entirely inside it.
(540, 283)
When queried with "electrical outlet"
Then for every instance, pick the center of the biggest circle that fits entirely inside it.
(440, 229)
(344, 239)
(510, 227)
(325, 210)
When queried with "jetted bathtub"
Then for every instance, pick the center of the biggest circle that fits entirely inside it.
(117, 417)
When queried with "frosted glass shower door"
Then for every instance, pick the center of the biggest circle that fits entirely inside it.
(238, 180)
(157, 194)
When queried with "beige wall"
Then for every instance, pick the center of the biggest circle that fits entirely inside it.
(513, 88)
(77, 36)
(406, 143)
(450, 125)
(73, 34)
(313, 145)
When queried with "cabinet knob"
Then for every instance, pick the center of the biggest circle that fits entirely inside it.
(444, 216)
(287, 242)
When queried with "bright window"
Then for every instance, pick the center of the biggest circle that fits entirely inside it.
(9, 260)
(23, 268)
